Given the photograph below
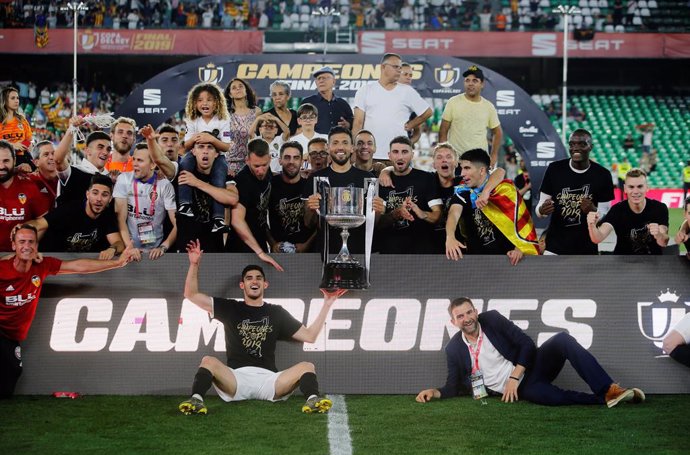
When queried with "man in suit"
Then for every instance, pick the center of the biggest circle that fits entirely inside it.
(492, 350)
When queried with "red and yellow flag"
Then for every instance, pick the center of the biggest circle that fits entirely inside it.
(508, 212)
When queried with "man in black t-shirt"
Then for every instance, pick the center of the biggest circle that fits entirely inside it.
(483, 236)
(340, 173)
(445, 162)
(412, 205)
(572, 188)
(250, 214)
(200, 224)
(641, 224)
(252, 329)
(83, 226)
(288, 234)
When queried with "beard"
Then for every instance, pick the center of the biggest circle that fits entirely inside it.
(5, 177)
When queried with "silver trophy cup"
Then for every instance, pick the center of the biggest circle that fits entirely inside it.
(344, 210)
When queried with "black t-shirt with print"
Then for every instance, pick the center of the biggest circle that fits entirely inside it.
(438, 234)
(403, 236)
(286, 211)
(483, 237)
(70, 229)
(353, 178)
(632, 234)
(251, 333)
(568, 233)
(254, 196)
(199, 226)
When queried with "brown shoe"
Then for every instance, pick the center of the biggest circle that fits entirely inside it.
(617, 394)
(638, 395)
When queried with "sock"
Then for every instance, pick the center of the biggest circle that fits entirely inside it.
(680, 354)
(202, 382)
(309, 385)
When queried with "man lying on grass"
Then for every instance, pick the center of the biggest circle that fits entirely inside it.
(490, 352)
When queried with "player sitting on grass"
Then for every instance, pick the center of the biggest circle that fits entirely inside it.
(252, 329)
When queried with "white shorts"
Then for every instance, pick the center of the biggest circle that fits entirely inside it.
(683, 327)
(253, 383)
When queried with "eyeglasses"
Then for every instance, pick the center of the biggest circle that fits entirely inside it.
(307, 117)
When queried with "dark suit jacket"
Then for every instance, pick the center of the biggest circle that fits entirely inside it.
(507, 338)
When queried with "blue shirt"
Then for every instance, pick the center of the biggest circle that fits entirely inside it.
(329, 112)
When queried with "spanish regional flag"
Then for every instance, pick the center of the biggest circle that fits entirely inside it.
(41, 36)
(508, 212)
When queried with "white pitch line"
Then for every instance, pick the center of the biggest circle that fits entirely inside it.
(339, 438)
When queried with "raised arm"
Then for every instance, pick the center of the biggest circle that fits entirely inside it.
(191, 284)
(157, 155)
(309, 334)
(226, 196)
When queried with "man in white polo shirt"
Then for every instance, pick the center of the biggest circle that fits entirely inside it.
(384, 106)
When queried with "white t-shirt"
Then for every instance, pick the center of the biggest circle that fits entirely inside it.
(274, 148)
(304, 140)
(199, 124)
(495, 368)
(207, 19)
(683, 327)
(387, 111)
(145, 228)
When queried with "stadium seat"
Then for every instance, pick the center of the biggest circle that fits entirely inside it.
(644, 12)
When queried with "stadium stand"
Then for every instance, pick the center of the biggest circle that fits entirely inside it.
(611, 117)
(296, 15)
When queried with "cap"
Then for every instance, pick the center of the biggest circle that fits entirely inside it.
(324, 69)
(474, 69)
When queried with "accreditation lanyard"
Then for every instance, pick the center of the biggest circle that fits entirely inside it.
(154, 195)
(474, 352)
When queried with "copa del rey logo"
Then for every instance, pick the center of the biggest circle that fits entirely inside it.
(656, 319)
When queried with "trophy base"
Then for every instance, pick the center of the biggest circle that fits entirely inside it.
(344, 275)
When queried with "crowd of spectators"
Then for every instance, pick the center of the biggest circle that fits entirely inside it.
(474, 15)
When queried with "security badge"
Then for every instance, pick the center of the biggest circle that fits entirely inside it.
(146, 234)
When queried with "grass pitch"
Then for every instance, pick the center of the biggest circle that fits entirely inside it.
(378, 425)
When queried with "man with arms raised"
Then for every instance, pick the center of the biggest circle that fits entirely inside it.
(412, 205)
(20, 200)
(501, 226)
(75, 179)
(571, 189)
(252, 329)
(143, 201)
(490, 352)
(21, 280)
(641, 224)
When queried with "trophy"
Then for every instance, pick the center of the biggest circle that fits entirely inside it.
(343, 208)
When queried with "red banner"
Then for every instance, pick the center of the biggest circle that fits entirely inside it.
(140, 42)
(526, 44)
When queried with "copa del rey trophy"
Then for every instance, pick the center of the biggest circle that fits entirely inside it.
(347, 208)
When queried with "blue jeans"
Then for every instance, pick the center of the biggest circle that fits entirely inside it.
(219, 175)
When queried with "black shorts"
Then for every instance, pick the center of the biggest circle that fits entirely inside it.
(10, 365)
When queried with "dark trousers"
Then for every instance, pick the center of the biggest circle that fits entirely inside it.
(549, 361)
(10, 366)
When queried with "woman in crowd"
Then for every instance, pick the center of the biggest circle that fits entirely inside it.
(243, 111)
(14, 128)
